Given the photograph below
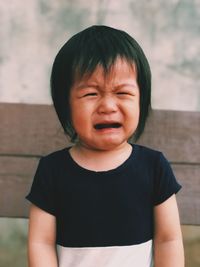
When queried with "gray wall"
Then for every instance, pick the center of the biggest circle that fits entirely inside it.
(32, 31)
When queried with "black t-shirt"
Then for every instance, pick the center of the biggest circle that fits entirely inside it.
(106, 208)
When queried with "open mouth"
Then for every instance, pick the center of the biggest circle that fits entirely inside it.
(101, 126)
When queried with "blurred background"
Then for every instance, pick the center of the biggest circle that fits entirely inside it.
(33, 31)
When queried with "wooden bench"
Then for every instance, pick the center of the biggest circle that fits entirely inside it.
(29, 131)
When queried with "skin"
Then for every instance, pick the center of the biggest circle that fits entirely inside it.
(168, 244)
(106, 99)
(41, 238)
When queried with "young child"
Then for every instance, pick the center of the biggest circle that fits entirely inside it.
(103, 202)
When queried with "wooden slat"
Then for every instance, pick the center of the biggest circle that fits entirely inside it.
(29, 131)
(189, 196)
(16, 175)
(12, 199)
(176, 133)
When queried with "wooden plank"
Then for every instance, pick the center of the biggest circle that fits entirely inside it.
(189, 196)
(17, 173)
(35, 130)
(29, 130)
(176, 133)
(22, 166)
(12, 193)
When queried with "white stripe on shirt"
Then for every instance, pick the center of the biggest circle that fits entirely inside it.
(111, 256)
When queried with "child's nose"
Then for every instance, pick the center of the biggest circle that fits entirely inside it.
(107, 105)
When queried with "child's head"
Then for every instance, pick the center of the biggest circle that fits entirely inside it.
(82, 54)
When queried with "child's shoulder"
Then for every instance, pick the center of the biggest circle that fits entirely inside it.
(55, 156)
(148, 151)
(149, 154)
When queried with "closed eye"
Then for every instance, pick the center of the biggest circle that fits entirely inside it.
(125, 93)
(122, 93)
(90, 94)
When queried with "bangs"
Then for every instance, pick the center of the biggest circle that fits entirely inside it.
(98, 47)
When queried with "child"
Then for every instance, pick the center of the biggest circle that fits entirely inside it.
(103, 202)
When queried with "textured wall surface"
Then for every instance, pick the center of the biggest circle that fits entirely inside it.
(34, 30)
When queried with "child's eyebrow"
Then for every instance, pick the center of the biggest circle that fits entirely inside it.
(94, 85)
(86, 85)
(125, 84)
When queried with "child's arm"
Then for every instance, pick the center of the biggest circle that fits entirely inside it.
(168, 245)
(41, 239)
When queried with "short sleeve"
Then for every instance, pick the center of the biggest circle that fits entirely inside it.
(165, 184)
(42, 189)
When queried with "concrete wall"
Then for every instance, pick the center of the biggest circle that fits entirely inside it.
(32, 31)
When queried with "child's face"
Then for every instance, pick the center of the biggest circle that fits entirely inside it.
(105, 108)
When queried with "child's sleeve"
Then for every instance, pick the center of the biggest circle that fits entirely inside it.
(42, 189)
(165, 184)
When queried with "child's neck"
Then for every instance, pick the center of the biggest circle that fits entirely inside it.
(100, 160)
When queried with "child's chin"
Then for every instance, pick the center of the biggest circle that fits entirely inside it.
(110, 145)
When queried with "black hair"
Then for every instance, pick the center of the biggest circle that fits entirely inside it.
(80, 55)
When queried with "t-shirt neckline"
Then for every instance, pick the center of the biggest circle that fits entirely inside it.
(74, 164)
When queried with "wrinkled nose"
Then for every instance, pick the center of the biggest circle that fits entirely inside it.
(107, 105)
